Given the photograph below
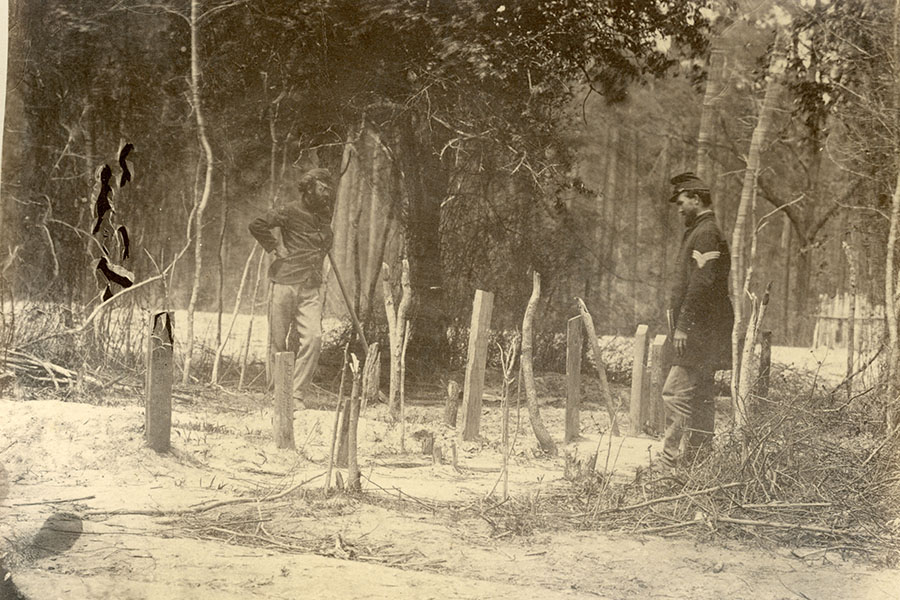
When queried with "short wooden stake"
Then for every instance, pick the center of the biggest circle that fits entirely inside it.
(639, 401)
(158, 410)
(659, 369)
(574, 344)
(451, 408)
(765, 363)
(283, 413)
(474, 382)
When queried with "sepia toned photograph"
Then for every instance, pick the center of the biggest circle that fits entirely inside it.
(450, 299)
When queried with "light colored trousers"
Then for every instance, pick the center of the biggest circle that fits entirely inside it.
(688, 395)
(296, 311)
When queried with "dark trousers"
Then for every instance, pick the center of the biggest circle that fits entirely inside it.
(689, 399)
(296, 311)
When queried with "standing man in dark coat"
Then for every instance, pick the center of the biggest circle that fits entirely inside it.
(700, 320)
(296, 274)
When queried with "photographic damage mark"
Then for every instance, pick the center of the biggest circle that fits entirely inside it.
(113, 239)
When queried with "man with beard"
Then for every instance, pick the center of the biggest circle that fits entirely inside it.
(700, 320)
(296, 273)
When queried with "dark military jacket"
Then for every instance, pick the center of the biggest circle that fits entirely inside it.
(307, 237)
(699, 298)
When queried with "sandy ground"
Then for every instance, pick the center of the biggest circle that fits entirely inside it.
(89, 460)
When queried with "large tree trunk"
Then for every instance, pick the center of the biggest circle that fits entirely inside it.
(534, 413)
(425, 185)
(204, 198)
(748, 193)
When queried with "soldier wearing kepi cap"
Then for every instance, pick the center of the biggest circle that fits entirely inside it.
(700, 321)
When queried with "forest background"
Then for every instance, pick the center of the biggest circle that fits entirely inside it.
(480, 140)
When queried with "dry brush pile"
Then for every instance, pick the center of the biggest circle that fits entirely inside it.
(812, 471)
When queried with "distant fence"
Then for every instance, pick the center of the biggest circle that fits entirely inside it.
(832, 328)
(833, 320)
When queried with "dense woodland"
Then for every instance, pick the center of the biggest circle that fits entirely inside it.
(479, 139)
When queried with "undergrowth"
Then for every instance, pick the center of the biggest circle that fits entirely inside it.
(811, 469)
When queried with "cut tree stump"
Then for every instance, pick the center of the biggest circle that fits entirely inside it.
(574, 344)
(283, 410)
(474, 382)
(158, 410)
(639, 408)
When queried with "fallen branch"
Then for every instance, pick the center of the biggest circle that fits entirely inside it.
(780, 525)
(672, 498)
(668, 527)
(201, 508)
(62, 501)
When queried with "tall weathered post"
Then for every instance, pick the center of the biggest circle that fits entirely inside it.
(574, 343)
(158, 409)
(283, 410)
(659, 368)
(474, 382)
(639, 405)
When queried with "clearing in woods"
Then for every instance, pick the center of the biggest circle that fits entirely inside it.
(419, 530)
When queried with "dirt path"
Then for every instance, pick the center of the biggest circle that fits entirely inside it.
(94, 455)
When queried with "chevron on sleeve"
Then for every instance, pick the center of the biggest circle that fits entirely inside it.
(704, 257)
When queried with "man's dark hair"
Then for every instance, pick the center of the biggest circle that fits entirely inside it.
(702, 195)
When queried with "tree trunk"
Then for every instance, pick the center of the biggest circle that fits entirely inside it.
(851, 318)
(214, 378)
(353, 482)
(748, 192)
(611, 208)
(786, 235)
(253, 304)
(204, 198)
(892, 275)
(425, 186)
(707, 133)
(220, 255)
(635, 183)
(397, 322)
(534, 413)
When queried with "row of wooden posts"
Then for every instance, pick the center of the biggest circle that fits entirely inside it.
(651, 362)
(160, 376)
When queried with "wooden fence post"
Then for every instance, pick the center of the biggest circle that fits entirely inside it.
(283, 410)
(451, 406)
(659, 368)
(765, 363)
(158, 410)
(574, 343)
(639, 409)
(474, 382)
